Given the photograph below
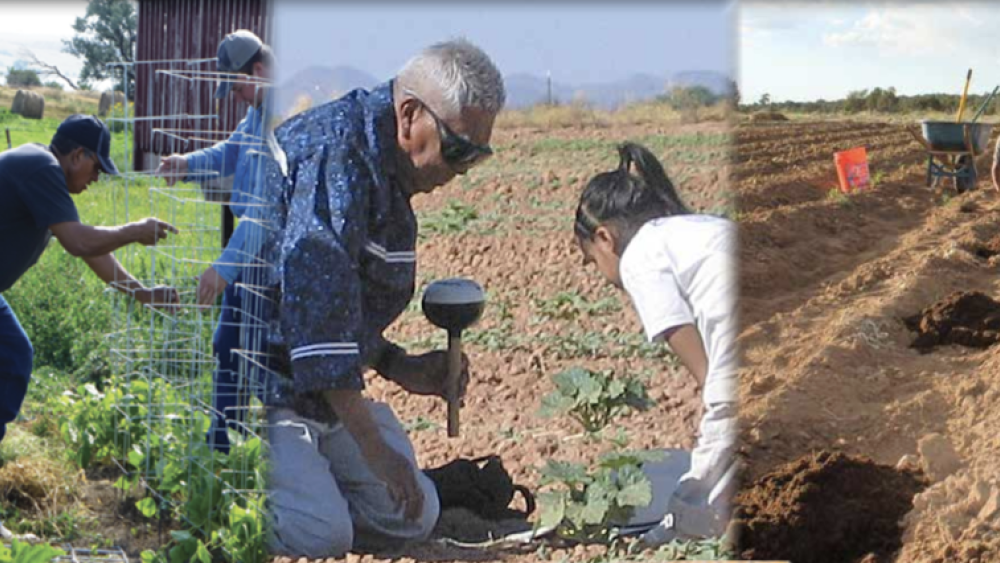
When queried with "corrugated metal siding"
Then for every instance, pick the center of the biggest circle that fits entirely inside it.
(183, 30)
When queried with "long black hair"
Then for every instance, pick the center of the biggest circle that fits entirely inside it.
(625, 200)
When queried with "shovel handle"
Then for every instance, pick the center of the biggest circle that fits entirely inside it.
(965, 94)
(452, 383)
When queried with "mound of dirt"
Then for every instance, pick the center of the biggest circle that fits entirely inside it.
(989, 250)
(967, 318)
(763, 116)
(825, 508)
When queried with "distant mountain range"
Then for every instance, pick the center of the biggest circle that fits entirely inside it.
(320, 84)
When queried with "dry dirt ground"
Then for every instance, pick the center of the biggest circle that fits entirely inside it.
(827, 285)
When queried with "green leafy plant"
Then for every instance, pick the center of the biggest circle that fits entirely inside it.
(594, 398)
(876, 178)
(587, 505)
(421, 424)
(215, 496)
(712, 549)
(569, 305)
(838, 197)
(455, 217)
(21, 552)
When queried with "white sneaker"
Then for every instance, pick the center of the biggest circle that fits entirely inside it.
(9, 535)
(662, 534)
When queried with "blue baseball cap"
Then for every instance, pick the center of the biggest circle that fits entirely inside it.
(235, 51)
(92, 134)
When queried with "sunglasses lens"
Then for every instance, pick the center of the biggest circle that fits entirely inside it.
(456, 150)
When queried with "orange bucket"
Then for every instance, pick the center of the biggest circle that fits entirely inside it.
(852, 169)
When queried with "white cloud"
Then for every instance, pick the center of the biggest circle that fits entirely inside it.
(40, 27)
(921, 29)
(40, 19)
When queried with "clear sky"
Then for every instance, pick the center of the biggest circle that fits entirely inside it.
(800, 51)
(579, 42)
(39, 26)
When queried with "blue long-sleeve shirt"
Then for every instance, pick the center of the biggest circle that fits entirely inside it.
(240, 156)
(345, 245)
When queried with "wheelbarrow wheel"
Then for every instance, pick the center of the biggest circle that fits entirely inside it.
(967, 181)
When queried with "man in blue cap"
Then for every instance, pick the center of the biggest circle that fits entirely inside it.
(36, 182)
(239, 157)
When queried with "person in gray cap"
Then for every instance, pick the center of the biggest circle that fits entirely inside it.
(36, 182)
(343, 474)
(239, 157)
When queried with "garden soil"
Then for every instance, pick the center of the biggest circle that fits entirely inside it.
(828, 284)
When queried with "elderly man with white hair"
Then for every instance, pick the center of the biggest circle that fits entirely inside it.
(343, 473)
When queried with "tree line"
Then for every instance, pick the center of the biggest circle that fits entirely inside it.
(881, 100)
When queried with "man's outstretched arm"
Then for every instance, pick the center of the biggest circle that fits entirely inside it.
(84, 240)
(111, 272)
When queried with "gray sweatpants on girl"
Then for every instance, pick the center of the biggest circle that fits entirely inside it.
(324, 499)
(694, 488)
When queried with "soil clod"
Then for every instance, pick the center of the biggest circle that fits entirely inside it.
(966, 318)
(988, 250)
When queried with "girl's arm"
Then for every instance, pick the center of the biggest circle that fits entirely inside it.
(685, 341)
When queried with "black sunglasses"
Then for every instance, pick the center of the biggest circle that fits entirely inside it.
(456, 150)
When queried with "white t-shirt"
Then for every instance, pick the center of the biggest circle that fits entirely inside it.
(682, 270)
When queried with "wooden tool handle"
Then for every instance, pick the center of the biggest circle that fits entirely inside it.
(965, 93)
(454, 379)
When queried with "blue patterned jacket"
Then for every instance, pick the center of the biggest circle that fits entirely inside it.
(344, 249)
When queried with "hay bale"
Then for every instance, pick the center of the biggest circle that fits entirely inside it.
(18, 105)
(28, 104)
(108, 100)
(105, 104)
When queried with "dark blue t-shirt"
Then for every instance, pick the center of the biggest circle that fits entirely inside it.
(33, 195)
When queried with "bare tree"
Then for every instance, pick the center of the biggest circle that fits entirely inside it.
(41, 67)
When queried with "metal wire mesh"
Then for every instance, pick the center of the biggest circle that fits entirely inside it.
(163, 358)
(77, 555)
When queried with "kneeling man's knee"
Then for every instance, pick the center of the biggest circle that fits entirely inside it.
(300, 534)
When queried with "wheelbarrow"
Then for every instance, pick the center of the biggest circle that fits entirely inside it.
(952, 149)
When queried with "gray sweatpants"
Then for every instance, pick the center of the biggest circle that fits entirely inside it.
(695, 488)
(323, 498)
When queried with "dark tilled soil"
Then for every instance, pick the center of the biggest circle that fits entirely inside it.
(990, 249)
(967, 318)
(825, 508)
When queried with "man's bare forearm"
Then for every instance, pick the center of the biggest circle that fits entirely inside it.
(87, 241)
(352, 410)
(111, 272)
